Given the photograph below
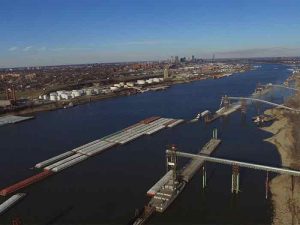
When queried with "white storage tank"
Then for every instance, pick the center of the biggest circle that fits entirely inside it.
(140, 82)
(113, 88)
(149, 81)
(60, 92)
(64, 96)
(89, 92)
(75, 93)
(53, 97)
(97, 91)
(130, 84)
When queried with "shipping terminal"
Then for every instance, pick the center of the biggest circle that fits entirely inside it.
(168, 188)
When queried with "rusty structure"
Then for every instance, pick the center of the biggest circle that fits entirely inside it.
(16, 221)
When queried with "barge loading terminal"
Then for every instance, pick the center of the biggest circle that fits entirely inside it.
(168, 188)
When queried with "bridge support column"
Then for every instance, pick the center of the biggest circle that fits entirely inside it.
(203, 176)
(235, 179)
(292, 184)
(215, 133)
(267, 185)
(243, 106)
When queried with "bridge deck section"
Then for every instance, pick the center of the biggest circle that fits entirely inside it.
(285, 171)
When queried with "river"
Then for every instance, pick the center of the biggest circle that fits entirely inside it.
(107, 188)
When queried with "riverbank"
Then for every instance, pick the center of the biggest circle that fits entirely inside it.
(285, 189)
(50, 106)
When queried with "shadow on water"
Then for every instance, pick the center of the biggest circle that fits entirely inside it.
(59, 216)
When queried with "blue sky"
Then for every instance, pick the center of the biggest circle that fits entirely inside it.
(49, 32)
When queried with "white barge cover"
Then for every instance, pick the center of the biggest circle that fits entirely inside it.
(10, 202)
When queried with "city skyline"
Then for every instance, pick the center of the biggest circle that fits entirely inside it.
(70, 32)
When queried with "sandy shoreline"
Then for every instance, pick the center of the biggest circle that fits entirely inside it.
(285, 189)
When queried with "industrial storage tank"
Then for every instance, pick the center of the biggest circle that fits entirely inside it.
(53, 96)
(130, 84)
(149, 81)
(140, 82)
(75, 93)
(89, 92)
(113, 88)
(96, 91)
(65, 95)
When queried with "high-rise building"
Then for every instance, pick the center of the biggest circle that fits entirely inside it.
(176, 59)
(193, 58)
(172, 59)
(166, 73)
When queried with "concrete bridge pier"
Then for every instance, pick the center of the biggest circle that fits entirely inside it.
(243, 106)
(235, 179)
(203, 176)
(267, 185)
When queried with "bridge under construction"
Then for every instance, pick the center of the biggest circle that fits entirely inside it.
(264, 101)
(167, 189)
(235, 168)
(282, 86)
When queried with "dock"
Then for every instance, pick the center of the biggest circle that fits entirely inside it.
(167, 192)
(11, 119)
(222, 112)
(72, 157)
(168, 188)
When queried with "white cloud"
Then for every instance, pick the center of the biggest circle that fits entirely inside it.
(27, 48)
(14, 48)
